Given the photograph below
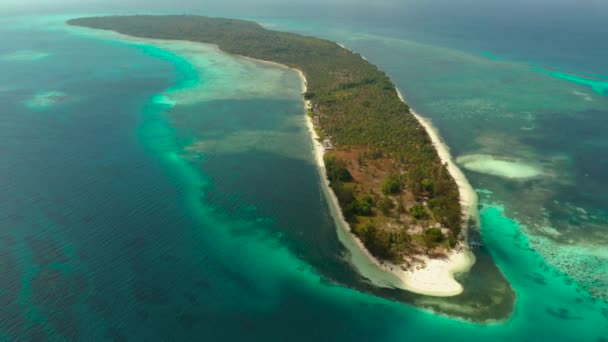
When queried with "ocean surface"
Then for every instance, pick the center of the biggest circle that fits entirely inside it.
(167, 191)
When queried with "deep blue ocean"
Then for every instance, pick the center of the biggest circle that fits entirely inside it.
(165, 191)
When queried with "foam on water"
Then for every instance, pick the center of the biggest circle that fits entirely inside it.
(500, 167)
(24, 56)
(46, 99)
(582, 94)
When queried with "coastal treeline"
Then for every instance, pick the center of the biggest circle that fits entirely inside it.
(395, 181)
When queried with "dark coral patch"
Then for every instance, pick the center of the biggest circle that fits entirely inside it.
(115, 335)
(11, 279)
(537, 278)
(149, 294)
(37, 333)
(55, 289)
(65, 324)
(188, 321)
(136, 244)
(562, 313)
(12, 321)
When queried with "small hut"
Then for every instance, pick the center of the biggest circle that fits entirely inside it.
(327, 145)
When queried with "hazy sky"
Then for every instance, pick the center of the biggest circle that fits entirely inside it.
(368, 3)
(469, 22)
(433, 11)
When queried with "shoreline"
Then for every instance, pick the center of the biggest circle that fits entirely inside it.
(468, 196)
(434, 277)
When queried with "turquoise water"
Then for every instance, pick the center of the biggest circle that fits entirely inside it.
(155, 191)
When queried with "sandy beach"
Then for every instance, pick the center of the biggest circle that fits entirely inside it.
(434, 277)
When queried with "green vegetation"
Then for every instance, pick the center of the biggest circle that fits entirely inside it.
(391, 186)
(419, 212)
(388, 245)
(433, 237)
(427, 186)
(361, 208)
(356, 105)
(336, 170)
(386, 205)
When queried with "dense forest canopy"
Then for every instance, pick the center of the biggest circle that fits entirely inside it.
(357, 106)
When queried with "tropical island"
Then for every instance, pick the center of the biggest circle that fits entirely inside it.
(398, 191)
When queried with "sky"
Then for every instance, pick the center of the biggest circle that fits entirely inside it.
(192, 4)
(579, 16)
